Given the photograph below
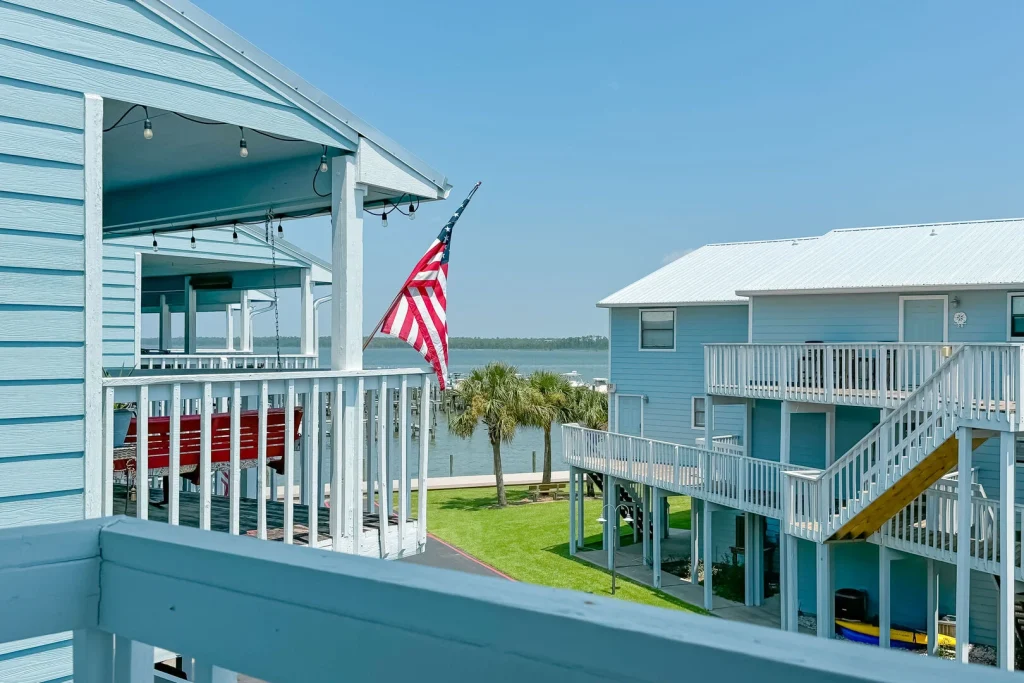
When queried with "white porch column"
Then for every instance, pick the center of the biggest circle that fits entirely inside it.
(346, 265)
(93, 656)
(1007, 550)
(608, 544)
(229, 326)
(933, 609)
(709, 421)
(645, 527)
(789, 583)
(165, 323)
(964, 437)
(830, 434)
(190, 316)
(826, 592)
(656, 560)
(709, 549)
(884, 597)
(306, 326)
(245, 324)
(748, 427)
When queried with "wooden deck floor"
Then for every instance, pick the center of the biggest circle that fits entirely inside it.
(188, 515)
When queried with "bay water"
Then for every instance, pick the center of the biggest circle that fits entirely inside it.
(451, 455)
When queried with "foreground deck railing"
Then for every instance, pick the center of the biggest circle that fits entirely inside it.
(227, 361)
(750, 484)
(124, 586)
(875, 375)
(361, 420)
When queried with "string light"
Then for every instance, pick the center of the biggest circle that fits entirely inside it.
(155, 246)
(147, 126)
(243, 148)
(384, 219)
(323, 161)
(234, 234)
(412, 212)
(280, 228)
(193, 238)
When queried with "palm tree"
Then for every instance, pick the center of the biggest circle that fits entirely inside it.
(549, 403)
(587, 407)
(497, 397)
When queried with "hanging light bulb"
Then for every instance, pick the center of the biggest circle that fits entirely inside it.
(323, 163)
(280, 228)
(234, 235)
(147, 126)
(193, 240)
(243, 149)
(384, 218)
(412, 211)
(155, 246)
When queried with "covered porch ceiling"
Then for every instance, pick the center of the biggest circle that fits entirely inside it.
(207, 300)
(191, 173)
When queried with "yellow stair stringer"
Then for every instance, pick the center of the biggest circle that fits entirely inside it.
(903, 492)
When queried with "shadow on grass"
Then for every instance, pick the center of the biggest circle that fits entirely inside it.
(593, 542)
(485, 502)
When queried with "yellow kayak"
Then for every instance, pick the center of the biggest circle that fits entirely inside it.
(898, 637)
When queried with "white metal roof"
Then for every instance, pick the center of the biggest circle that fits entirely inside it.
(709, 275)
(933, 256)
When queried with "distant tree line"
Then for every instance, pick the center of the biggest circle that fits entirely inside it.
(585, 343)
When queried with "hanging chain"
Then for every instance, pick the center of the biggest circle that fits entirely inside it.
(273, 270)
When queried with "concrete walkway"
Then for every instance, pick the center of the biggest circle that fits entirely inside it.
(629, 563)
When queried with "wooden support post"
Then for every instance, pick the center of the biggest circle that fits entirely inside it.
(884, 597)
(758, 558)
(581, 523)
(609, 513)
(750, 563)
(245, 323)
(425, 407)
(165, 324)
(789, 583)
(656, 560)
(709, 549)
(695, 516)
(830, 435)
(826, 593)
(573, 492)
(784, 433)
(963, 550)
(933, 609)
(133, 661)
(229, 327)
(93, 656)
(1007, 550)
(645, 525)
(190, 316)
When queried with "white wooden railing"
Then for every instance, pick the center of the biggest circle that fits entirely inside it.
(724, 443)
(750, 484)
(978, 385)
(346, 417)
(878, 375)
(124, 587)
(928, 527)
(227, 361)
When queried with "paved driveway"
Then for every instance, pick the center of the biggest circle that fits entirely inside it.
(440, 554)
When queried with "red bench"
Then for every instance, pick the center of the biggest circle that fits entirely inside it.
(220, 423)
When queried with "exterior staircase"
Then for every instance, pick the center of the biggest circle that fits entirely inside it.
(628, 495)
(910, 449)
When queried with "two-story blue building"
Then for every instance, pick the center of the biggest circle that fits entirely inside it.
(853, 398)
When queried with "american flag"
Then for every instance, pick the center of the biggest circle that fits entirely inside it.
(419, 314)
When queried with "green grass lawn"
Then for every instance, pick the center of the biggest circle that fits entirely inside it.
(529, 541)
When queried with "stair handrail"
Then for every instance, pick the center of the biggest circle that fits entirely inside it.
(939, 403)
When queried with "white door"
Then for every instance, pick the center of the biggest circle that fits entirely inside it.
(630, 414)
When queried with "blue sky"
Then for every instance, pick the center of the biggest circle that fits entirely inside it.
(611, 136)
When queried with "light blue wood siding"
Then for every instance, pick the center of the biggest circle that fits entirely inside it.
(119, 50)
(41, 330)
(823, 317)
(118, 305)
(670, 379)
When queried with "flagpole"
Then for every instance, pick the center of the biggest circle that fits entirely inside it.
(451, 221)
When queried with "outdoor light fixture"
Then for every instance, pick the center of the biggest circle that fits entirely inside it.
(384, 219)
(323, 163)
(412, 212)
(234, 235)
(147, 129)
(243, 149)
(155, 247)
(280, 228)
(193, 238)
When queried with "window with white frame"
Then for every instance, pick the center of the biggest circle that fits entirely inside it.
(698, 414)
(1017, 316)
(658, 330)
